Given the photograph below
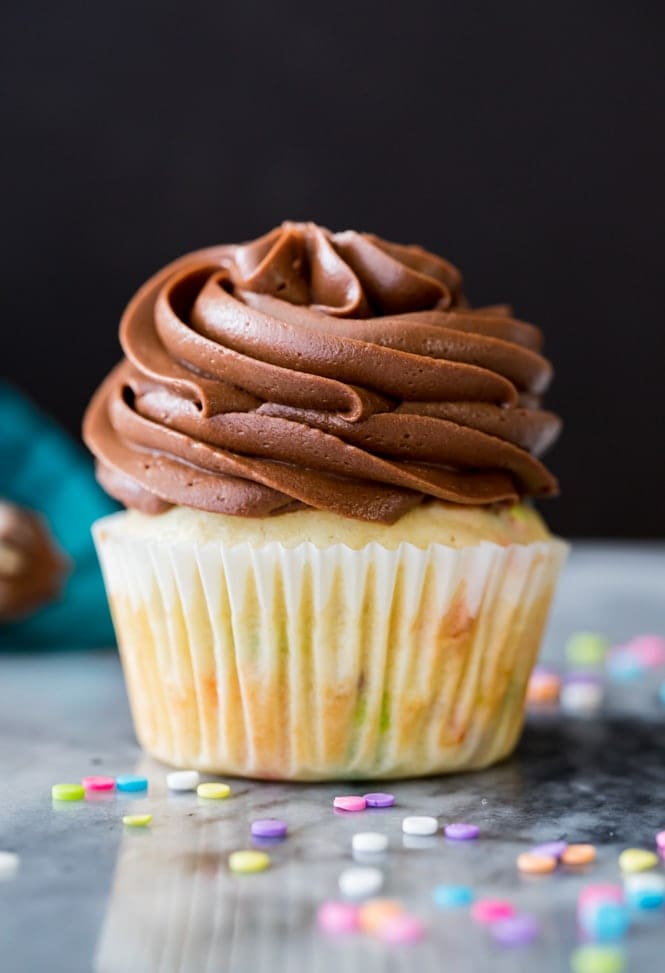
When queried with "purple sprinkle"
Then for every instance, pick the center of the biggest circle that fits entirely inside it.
(265, 843)
(379, 800)
(588, 678)
(269, 828)
(551, 849)
(458, 831)
(517, 930)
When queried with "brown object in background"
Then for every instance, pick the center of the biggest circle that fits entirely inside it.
(32, 567)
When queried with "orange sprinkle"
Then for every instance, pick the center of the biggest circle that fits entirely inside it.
(535, 864)
(544, 687)
(374, 913)
(579, 855)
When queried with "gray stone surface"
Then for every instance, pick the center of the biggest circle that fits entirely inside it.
(90, 896)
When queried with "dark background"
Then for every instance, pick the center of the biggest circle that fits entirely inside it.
(522, 140)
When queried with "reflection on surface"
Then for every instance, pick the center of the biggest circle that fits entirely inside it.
(175, 906)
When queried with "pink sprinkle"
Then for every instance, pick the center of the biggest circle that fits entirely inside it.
(401, 929)
(491, 910)
(601, 892)
(337, 918)
(660, 840)
(649, 648)
(98, 783)
(350, 802)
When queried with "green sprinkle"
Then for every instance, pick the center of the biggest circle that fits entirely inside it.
(137, 820)
(597, 959)
(586, 649)
(68, 792)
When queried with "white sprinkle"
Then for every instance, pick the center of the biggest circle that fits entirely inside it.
(357, 883)
(369, 841)
(644, 881)
(578, 697)
(8, 864)
(420, 825)
(182, 780)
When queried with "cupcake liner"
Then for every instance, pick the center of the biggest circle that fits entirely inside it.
(305, 663)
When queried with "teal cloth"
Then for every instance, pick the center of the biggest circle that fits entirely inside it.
(43, 468)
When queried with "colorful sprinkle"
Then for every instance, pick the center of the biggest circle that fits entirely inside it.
(350, 802)
(337, 918)
(459, 831)
(605, 921)
(125, 782)
(661, 692)
(402, 929)
(551, 849)
(182, 780)
(600, 892)
(379, 799)
(645, 891)
(519, 930)
(246, 862)
(268, 828)
(586, 649)
(660, 840)
(531, 864)
(452, 896)
(544, 687)
(420, 825)
(137, 820)
(582, 695)
(98, 783)
(578, 855)
(68, 792)
(359, 883)
(374, 913)
(650, 649)
(597, 959)
(491, 910)
(623, 666)
(213, 790)
(369, 841)
(637, 860)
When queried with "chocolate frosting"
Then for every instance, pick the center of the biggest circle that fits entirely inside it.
(327, 370)
(32, 568)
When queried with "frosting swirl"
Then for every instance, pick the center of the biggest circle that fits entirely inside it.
(329, 370)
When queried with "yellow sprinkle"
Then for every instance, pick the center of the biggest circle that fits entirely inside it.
(637, 860)
(213, 790)
(137, 820)
(248, 861)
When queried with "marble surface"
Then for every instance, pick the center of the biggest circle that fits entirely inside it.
(91, 896)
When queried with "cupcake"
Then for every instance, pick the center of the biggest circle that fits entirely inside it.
(329, 567)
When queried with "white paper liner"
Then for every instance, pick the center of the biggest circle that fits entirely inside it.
(310, 663)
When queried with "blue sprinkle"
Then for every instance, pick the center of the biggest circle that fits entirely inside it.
(646, 899)
(452, 896)
(607, 922)
(127, 783)
(625, 667)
